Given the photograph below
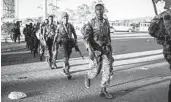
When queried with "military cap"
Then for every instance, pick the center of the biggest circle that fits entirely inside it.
(65, 14)
(99, 3)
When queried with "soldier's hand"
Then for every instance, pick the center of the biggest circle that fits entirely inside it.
(75, 40)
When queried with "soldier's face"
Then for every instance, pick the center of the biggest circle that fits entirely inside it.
(50, 19)
(65, 20)
(99, 10)
(46, 21)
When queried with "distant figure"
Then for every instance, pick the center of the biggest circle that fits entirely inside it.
(49, 32)
(17, 32)
(25, 32)
(42, 46)
(30, 34)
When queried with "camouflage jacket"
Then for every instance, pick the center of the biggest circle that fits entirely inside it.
(164, 27)
(65, 32)
(49, 31)
(98, 31)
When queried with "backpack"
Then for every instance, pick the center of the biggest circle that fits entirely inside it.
(155, 27)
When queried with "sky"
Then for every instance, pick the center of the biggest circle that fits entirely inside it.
(118, 9)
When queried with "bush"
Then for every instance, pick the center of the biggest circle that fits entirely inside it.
(6, 30)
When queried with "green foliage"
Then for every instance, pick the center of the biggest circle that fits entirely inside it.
(83, 11)
(7, 28)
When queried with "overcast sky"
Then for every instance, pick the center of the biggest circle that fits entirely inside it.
(118, 9)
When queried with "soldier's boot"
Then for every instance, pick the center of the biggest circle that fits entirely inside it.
(87, 81)
(41, 56)
(170, 66)
(105, 94)
(34, 52)
(67, 73)
(50, 63)
(54, 66)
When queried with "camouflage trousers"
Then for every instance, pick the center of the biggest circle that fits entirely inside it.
(66, 49)
(17, 36)
(51, 53)
(104, 65)
(167, 53)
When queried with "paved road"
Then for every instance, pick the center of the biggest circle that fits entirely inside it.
(121, 44)
(140, 75)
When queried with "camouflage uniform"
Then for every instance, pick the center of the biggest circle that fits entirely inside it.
(163, 33)
(30, 40)
(35, 39)
(99, 30)
(167, 43)
(17, 32)
(42, 46)
(49, 33)
(25, 32)
(66, 42)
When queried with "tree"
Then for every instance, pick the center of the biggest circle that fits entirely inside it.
(72, 14)
(7, 30)
(83, 11)
(51, 6)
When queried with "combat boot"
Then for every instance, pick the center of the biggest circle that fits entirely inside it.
(67, 73)
(87, 82)
(54, 66)
(105, 94)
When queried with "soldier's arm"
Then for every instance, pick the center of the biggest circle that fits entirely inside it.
(56, 35)
(44, 31)
(108, 30)
(74, 33)
(88, 34)
(167, 24)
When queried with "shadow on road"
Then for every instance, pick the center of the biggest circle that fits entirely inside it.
(169, 92)
(119, 93)
(25, 56)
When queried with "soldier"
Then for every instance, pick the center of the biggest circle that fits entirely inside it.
(49, 32)
(30, 35)
(160, 28)
(25, 32)
(64, 37)
(42, 46)
(167, 25)
(35, 39)
(97, 36)
(17, 32)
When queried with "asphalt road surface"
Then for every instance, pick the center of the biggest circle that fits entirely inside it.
(140, 75)
(120, 45)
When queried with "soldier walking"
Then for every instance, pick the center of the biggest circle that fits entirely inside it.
(49, 32)
(17, 32)
(97, 36)
(64, 38)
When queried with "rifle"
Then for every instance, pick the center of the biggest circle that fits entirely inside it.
(155, 8)
(92, 51)
(78, 50)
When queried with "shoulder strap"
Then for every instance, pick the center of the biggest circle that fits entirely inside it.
(65, 28)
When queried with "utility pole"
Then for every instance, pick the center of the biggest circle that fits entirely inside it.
(16, 8)
(44, 9)
(56, 8)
